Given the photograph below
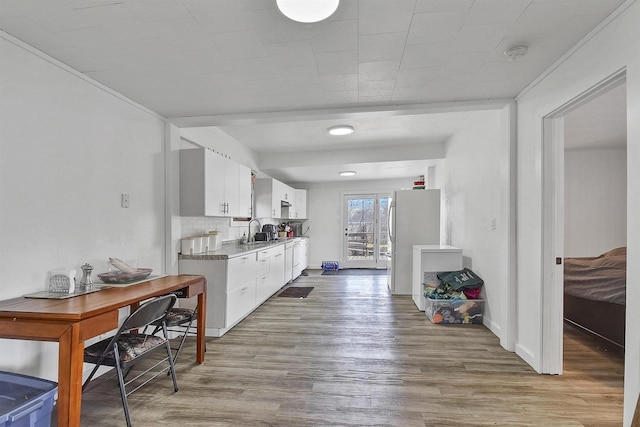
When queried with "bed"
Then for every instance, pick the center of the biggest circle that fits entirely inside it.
(595, 293)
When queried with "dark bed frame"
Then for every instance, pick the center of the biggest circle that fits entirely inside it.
(602, 319)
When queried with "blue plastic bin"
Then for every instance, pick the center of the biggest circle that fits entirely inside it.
(25, 401)
(330, 265)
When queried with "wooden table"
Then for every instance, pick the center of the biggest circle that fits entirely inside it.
(71, 321)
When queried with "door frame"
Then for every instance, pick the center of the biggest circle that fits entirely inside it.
(365, 194)
(553, 170)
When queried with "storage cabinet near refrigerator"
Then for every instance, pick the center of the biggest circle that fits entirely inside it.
(431, 259)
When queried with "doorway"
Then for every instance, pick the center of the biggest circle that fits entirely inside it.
(366, 230)
(559, 133)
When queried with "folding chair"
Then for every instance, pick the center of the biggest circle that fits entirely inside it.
(178, 320)
(125, 348)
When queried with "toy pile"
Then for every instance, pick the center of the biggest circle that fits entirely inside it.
(455, 299)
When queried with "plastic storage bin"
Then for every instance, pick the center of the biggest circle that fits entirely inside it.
(454, 311)
(25, 401)
(330, 265)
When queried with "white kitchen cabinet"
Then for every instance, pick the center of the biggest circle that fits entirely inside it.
(300, 204)
(305, 253)
(245, 209)
(231, 289)
(270, 272)
(239, 284)
(298, 255)
(270, 195)
(288, 262)
(213, 185)
(429, 260)
(240, 302)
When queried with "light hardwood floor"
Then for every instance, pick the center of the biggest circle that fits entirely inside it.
(352, 355)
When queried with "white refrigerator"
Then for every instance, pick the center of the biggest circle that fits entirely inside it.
(414, 219)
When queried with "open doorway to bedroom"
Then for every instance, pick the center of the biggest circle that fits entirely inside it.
(595, 201)
(585, 229)
(553, 206)
(595, 207)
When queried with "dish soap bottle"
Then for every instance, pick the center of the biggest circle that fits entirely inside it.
(244, 238)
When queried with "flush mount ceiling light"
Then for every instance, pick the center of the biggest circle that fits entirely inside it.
(347, 173)
(307, 10)
(340, 130)
(515, 52)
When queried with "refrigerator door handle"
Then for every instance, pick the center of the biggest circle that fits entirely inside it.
(389, 221)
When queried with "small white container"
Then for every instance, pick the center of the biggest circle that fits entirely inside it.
(187, 246)
(206, 243)
(197, 244)
(215, 241)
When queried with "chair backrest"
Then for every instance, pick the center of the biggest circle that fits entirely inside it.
(149, 312)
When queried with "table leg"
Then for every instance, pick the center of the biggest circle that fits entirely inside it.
(70, 359)
(202, 311)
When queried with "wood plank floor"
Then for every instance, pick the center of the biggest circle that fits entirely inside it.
(352, 355)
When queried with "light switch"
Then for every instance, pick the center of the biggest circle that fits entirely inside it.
(124, 200)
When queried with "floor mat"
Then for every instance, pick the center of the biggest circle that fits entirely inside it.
(296, 292)
(355, 272)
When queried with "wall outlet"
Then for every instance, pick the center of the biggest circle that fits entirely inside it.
(124, 200)
(493, 224)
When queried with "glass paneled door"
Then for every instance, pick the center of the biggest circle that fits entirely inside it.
(365, 243)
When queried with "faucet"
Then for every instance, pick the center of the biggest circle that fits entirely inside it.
(249, 237)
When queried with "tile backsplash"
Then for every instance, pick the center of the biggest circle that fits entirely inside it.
(197, 226)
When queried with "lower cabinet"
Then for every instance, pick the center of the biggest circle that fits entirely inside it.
(238, 285)
(288, 262)
(300, 260)
(270, 272)
(240, 302)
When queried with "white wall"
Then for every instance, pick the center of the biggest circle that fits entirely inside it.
(474, 179)
(595, 209)
(324, 210)
(215, 139)
(68, 149)
(613, 47)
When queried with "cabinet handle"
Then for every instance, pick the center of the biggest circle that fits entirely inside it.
(278, 255)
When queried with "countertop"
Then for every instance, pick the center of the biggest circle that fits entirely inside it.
(234, 249)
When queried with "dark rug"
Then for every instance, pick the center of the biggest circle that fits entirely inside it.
(355, 272)
(296, 292)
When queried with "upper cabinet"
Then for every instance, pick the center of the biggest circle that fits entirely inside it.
(300, 204)
(274, 199)
(213, 185)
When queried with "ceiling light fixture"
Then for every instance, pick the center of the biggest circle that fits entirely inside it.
(340, 130)
(515, 52)
(307, 11)
(347, 173)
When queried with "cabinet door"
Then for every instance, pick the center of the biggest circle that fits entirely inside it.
(300, 204)
(214, 188)
(240, 302)
(276, 268)
(305, 254)
(277, 193)
(264, 198)
(231, 188)
(263, 291)
(240, 270)
(263, 263)
(244, 192)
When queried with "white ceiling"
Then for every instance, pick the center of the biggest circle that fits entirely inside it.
(276, 85)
